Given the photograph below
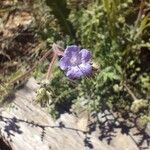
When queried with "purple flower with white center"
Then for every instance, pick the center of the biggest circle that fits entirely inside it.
(76, 62)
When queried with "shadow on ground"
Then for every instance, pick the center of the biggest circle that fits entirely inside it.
(105, 125)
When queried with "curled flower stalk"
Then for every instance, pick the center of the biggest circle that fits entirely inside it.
(56, 52)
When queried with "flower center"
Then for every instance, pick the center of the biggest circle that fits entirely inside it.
(74, 61)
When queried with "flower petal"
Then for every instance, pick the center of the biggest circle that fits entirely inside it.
(74, 72)
(85, 55)
(71, 51)
(64, 63)
(86, 68)
(79, 71)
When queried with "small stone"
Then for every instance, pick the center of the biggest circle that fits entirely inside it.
(147, 130)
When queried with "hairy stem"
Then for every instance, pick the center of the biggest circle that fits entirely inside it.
(56, 53)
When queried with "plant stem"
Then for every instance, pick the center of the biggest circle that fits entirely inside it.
(56, 53)
(130, 92)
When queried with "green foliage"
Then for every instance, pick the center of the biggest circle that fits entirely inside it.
(117, 33)
(60, 11)
(116, 43)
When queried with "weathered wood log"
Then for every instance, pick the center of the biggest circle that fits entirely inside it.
(25, 126)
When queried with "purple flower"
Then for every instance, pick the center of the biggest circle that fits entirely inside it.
(76, 62)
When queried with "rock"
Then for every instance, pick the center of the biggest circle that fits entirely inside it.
(26, 126)
(106, 116)
(123, 141)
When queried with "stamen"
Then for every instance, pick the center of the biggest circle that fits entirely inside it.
(74, 61)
